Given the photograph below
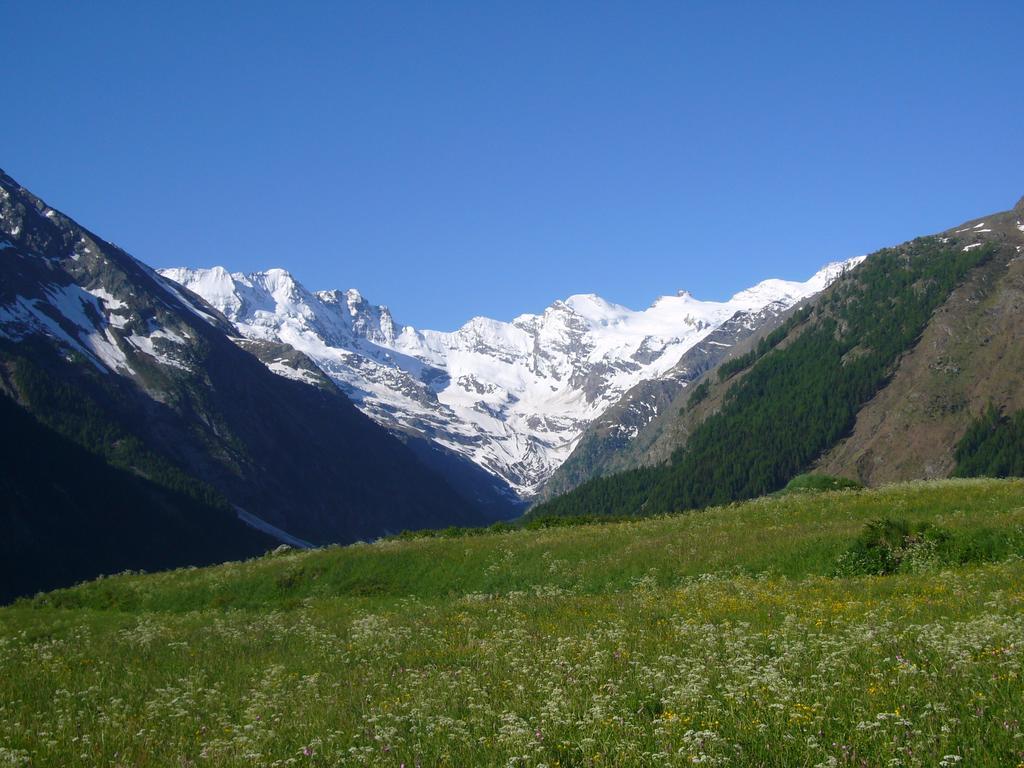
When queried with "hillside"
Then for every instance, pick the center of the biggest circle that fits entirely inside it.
(878, 380)
(970, 356)
(744, 635)
(632, 431)
(71, 511)
(110, 356)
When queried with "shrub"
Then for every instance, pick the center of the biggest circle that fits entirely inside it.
(888, 546)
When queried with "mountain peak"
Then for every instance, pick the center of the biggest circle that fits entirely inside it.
(279, 277)
(590, 304)
(512, 397)
(1019, 207)
(773, 289)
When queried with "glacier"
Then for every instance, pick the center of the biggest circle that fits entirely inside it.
(513, 397)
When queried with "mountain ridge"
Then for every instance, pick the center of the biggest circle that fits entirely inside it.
(630, 429)
(515, 396)
(101, 349)
(879, 382)
(968, 359)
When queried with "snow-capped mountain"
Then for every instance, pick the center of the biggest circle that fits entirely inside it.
(154, 382)
(514, 397)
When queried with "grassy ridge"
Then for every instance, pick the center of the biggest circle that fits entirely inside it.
(721, 637)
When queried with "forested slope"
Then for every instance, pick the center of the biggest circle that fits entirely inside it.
(800, 398)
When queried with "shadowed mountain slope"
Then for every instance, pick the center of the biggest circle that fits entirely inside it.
(101, 349)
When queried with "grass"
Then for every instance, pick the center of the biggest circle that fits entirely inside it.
(720, 637)
(816, 482)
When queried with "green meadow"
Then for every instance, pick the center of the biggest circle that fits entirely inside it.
(816, 628)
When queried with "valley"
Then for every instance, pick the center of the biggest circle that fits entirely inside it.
(272, 413)
(552, 385)
(512, 397)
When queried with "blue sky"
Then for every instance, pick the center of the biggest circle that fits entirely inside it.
(460, 159)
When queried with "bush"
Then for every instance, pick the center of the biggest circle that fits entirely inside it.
(888, 546)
